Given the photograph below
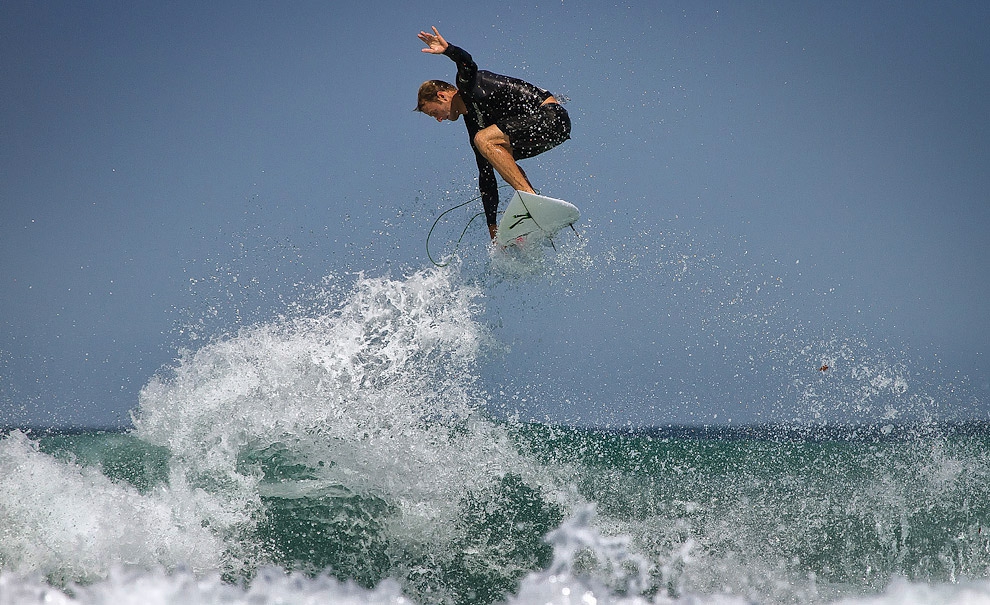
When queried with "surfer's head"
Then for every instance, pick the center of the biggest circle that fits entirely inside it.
(435, 97)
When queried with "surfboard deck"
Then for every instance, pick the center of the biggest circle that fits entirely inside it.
(529, 214)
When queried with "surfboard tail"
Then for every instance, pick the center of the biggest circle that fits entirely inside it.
(529, 213)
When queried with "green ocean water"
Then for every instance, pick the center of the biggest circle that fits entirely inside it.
(797, 514)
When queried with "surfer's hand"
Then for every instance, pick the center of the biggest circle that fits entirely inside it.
(435, 44)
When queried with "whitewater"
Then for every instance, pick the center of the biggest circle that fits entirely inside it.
(353, 450)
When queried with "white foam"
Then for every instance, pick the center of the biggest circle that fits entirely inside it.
(902, 592)
(130, 587)
(588, 569)
(65, 521)
(368, 396)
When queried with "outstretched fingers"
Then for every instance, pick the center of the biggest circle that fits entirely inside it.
(434, 42)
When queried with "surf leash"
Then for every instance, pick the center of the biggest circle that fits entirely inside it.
(458, 243)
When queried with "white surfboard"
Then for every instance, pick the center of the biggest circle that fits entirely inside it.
(528, 214)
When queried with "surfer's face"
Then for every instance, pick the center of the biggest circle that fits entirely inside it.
(440, 109)
(435, 110)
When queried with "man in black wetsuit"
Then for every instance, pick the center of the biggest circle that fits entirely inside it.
(507, 119)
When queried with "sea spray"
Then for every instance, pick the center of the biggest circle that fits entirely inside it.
(350, 448)
(347, 440)
(351, 440)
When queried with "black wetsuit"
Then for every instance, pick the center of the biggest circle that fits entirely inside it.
(516, 107)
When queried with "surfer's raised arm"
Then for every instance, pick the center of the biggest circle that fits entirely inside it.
(435, 44)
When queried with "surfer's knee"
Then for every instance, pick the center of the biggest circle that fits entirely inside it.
(489, 138)
(481, 141)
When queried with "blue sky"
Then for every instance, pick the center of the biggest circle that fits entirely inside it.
(155, 152)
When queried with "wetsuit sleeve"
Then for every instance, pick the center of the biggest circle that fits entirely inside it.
(489, 188)
(467, 73)
(467, 69)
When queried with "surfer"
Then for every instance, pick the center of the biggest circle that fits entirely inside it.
(507, 119)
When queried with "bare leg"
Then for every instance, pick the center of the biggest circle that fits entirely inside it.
(494, 145)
